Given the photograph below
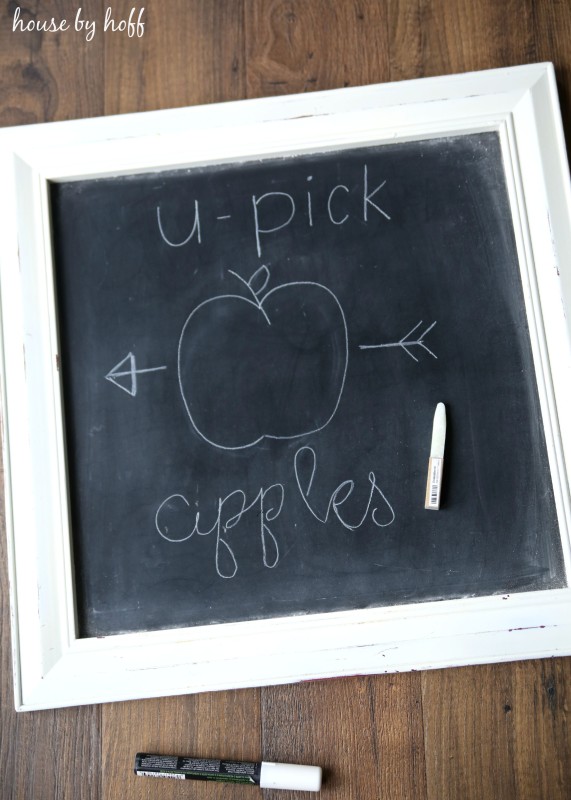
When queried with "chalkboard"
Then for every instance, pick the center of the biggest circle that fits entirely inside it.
(251, 355)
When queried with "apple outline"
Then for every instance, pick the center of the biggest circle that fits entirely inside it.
(257, 301)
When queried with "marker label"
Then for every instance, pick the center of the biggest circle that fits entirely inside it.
(434, 484)
(174, 775)
(203, 769)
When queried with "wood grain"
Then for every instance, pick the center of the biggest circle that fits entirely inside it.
(296, 46)
(439, 37)
(45, 76)
(365, 732)
(204, 41)
(497, 732)
(552, 24)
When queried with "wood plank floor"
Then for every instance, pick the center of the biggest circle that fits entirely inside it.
(491, 732)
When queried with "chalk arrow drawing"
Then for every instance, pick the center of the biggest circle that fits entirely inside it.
(126, 379)
(406, 342)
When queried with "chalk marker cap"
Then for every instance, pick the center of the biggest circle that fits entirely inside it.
(298, 777)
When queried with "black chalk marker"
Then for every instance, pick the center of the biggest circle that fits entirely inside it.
(266, 774)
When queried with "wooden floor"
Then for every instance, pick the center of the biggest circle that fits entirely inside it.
(488, 732)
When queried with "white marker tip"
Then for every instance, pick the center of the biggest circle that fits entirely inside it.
(438, 432)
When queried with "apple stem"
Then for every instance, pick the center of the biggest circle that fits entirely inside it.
(256, 292)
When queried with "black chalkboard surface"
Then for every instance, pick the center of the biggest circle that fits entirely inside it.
(251, 356)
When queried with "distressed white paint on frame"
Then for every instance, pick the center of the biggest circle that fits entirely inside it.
(52, 667)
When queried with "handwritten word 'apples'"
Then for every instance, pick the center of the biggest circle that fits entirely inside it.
(176, 521)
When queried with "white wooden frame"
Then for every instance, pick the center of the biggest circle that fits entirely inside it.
(52, 666)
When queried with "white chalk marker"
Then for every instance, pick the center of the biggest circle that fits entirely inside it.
(435, 464)
(266, 774)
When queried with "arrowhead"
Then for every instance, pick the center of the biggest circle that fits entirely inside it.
(125, 379)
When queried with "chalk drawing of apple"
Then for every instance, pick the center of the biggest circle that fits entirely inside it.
(263, 363)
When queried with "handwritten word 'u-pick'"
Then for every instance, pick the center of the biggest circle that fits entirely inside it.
(273, 211)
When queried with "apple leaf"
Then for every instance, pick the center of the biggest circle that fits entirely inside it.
(259, 280)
